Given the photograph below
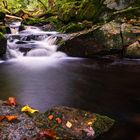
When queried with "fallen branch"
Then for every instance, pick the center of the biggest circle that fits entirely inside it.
(13, 17)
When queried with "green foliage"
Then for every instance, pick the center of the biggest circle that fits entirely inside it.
(13, 6)
(53, 20)
(32, 21)
(72, 27)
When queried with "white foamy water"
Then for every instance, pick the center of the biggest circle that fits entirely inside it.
(33, 42)
(14, 27)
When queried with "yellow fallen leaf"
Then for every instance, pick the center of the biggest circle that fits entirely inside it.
(90, 123)
(69, 124)
(28, 109)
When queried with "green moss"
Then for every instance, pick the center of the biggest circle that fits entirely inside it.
(1, 36)
(53, 20)
(32, 21)
(3, 29)
(72, 27)
(68, 11)
(86, 11)
(102, 124)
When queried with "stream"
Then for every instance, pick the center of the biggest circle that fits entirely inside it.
(43, 79)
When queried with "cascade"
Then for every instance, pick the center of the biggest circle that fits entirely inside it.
(31, 42)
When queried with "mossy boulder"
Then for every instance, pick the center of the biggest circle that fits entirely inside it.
(75, 123)
(99, 40)
(57, 123)
(3, 45)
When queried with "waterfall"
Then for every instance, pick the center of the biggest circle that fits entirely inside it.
(14, 27)
(32, 42)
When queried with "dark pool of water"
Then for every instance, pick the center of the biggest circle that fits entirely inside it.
(102, 86)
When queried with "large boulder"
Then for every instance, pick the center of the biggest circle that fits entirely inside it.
(3, 45)
(108, 39)
(99, 40)
(57, 123)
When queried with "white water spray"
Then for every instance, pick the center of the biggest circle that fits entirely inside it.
(33, 42)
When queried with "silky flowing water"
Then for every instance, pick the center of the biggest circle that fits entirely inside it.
(105, 86)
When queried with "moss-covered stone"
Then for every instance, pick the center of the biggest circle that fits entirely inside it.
(64, 122)
(102, 124)
(101, 40)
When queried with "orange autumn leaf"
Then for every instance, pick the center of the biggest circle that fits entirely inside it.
(1, 118)
(47, 133)
(11, 117)
(58, 120)
(50, 117)
(11, 101)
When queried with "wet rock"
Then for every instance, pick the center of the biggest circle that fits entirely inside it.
(130, 33)
(48, 27)
(99, 40)
(75, 123)
(118, 4)
(3, 45)
(133, 50)
(56, 123)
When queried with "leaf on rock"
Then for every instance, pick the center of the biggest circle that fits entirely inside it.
(1, 118)
(11, 117)
(28, 109)
(69, 124)
(58, 120)
(47, 133)
(90, 132)
(50, 117)
(11, 101)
